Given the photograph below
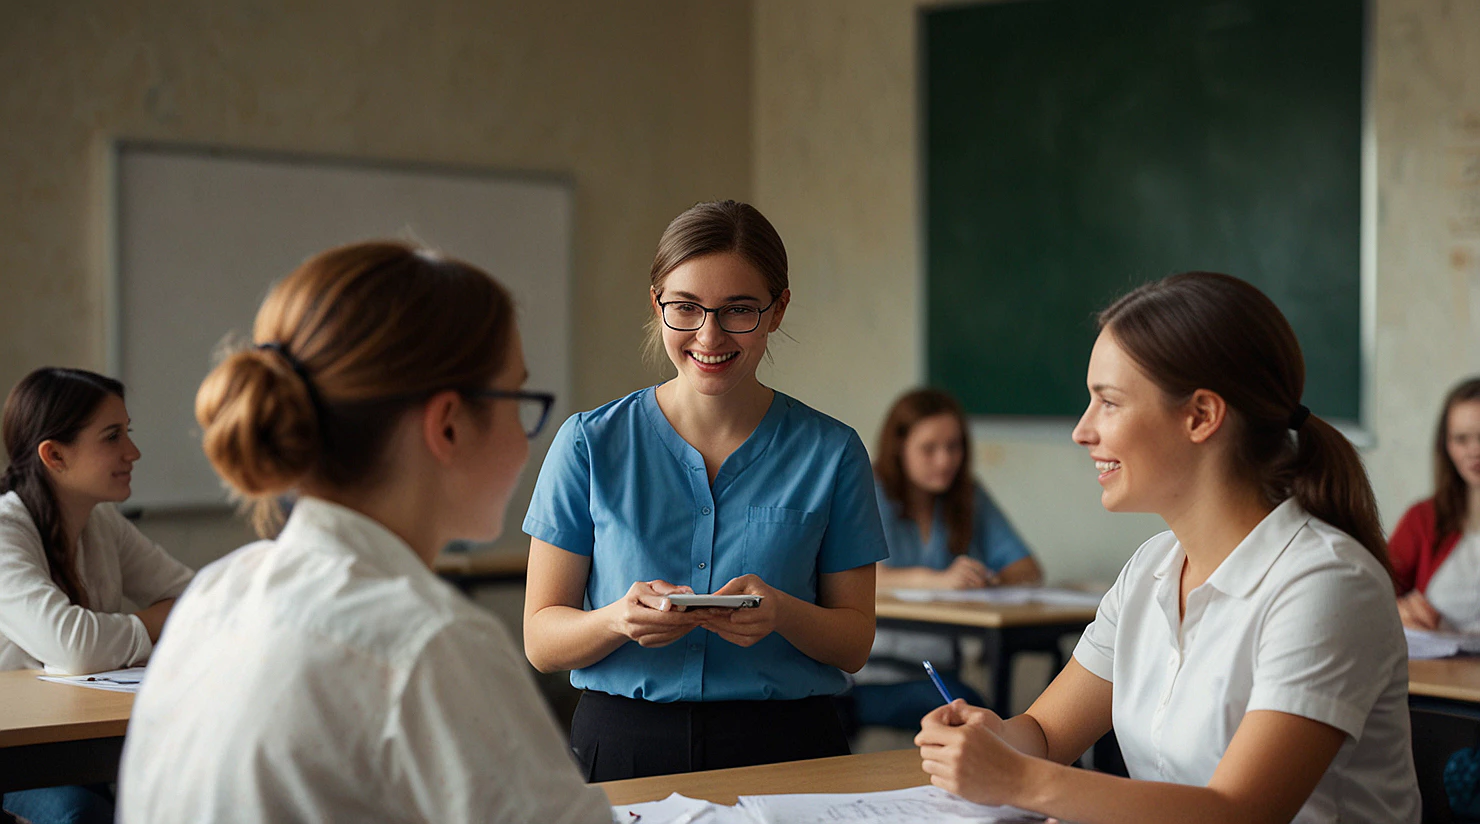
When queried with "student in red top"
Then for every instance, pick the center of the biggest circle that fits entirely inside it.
(1436, 548)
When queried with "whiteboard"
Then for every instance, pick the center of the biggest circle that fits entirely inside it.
(201, 234)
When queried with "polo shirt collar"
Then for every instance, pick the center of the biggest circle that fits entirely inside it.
(1251, 560)
(317, 522)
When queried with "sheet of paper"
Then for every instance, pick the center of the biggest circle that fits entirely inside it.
(915, 804)
(1429, 644)
(679, 809)
(1004, 595)
(124, 680)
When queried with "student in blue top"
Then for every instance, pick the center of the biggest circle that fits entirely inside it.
(709, 483)
(944, 532)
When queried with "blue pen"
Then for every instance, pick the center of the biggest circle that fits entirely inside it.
(939, 684)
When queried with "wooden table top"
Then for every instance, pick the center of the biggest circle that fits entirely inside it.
(870, 772)
(1453, 678)
(487, 563)
(33, 711)
(970, 614)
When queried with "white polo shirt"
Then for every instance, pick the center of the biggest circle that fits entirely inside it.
(1299, 619)
(329, 676)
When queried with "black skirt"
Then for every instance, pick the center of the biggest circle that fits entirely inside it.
(615, 738)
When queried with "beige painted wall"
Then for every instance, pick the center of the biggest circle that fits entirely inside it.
(643, 103)
(835, 155)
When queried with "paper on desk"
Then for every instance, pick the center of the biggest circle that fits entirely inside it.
(1008, 596)
(678, 809)
(1424, 643)
(123, 680)
(915, 804)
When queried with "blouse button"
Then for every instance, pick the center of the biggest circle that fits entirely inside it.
(701, 564)
(704, 511)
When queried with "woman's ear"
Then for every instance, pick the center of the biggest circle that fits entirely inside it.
(440, 428)
(777, 311)
(1206, 412)
(52, 456)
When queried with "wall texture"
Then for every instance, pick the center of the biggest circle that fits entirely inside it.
(643, 103)
(835, 168)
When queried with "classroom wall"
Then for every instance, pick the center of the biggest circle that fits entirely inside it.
(835, 110)
(644, 104)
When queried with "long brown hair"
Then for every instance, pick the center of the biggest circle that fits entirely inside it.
(50, 404)
(710, 228)
(1201, 330)
(348, 342)
(1451, 493)
(959, 498)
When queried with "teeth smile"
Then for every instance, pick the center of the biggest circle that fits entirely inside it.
(712, 359)
(1106, 466)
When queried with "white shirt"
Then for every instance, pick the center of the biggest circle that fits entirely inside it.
(1454, 589)
(330, 676)
(1299, 619)
(41, 627)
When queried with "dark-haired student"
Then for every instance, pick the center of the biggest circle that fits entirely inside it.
(1250, 660)
(68, 559)
(1436, 546)
(328, 675)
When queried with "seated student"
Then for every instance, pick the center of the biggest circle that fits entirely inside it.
(329, 675)
(1436, 547)
(944, 532)
(1251, 659)
(66, 563)
(709, 483)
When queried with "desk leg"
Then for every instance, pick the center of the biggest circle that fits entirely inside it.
(90, 761)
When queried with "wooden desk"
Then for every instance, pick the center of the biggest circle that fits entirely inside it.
(58, 734)
(1449, 686)
(469, 570)
(871, 772)
(1007, 630)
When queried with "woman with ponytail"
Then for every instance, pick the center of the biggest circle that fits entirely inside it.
(328, 674)
(1436, 547)
(67, 563)
(1250, 660)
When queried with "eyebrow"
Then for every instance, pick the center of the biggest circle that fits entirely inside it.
(690, 296)
(1104, 387)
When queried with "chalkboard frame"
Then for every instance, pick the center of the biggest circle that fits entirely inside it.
(1057, 428)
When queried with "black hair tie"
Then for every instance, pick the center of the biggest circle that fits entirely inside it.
(1298, 417)
(301, 372)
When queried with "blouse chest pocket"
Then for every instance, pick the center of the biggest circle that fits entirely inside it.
(782, 545)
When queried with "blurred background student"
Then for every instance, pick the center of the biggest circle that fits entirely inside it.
(944, 532)
(66, 563)
(1436, 547)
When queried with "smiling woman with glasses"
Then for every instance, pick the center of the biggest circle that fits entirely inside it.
(710, 483)
(399, 699)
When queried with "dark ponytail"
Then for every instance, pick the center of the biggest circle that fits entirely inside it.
(50, 404)
(1201, 330)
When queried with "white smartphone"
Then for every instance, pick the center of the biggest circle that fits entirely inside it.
(721, 601)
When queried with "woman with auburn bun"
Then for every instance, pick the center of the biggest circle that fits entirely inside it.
(710, 483)
(328, 674)
(68, 559)
(1250, 660)
(944, 532)
(1436, 547)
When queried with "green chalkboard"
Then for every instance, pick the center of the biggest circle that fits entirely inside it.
(1077, 148)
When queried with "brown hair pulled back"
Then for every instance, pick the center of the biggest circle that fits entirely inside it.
(1202, 330)
(1451, 493)
(375, 328)
(50, 404)
(959, 497)
(710, 228)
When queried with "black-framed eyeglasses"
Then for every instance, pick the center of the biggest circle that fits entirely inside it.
(735, 318)
(534, 407)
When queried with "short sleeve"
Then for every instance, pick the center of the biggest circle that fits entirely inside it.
(1096, 648)
(471, 739)
(855, 534)
(1328, 645)
(560, 510)
(998, 542)
(149, 573)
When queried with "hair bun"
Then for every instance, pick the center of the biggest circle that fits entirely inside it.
(260, 426)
